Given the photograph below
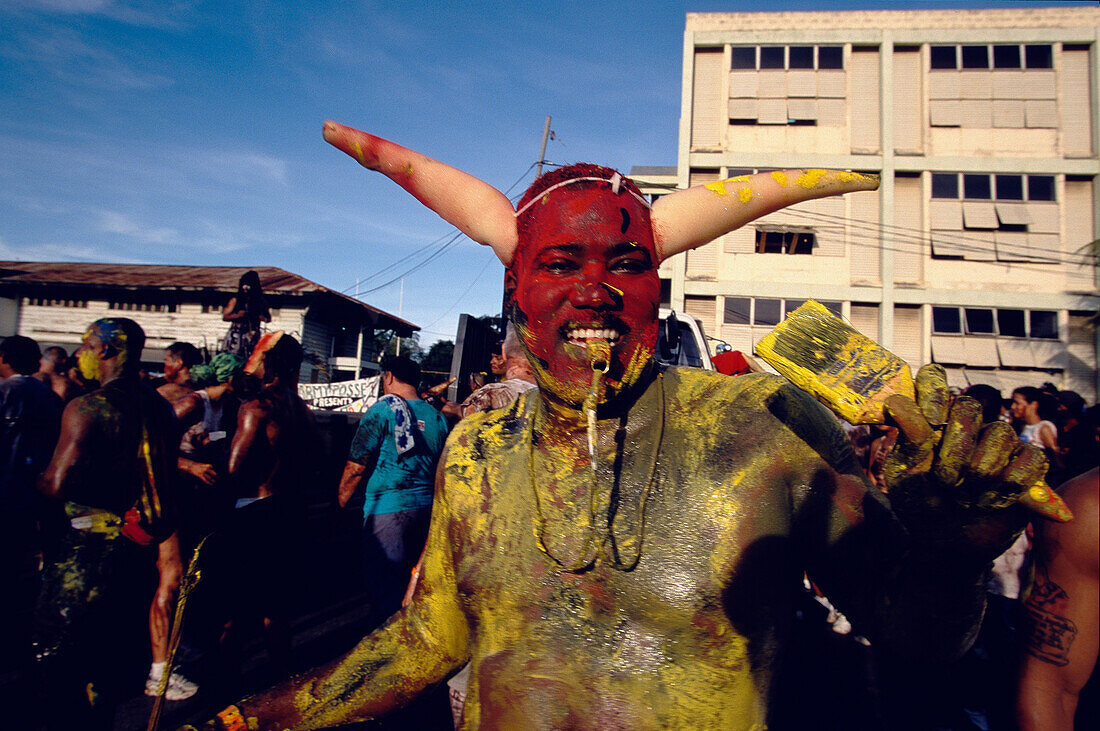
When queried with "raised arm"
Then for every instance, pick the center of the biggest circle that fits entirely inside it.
(416, 648)
(1062, 613)
(954, 485)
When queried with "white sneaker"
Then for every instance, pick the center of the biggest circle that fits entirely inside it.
(179, 687)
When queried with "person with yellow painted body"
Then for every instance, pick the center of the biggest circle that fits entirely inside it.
(623, 546)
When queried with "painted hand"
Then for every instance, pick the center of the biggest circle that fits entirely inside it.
(955, 483)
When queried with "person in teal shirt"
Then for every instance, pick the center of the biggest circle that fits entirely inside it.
(397, 444)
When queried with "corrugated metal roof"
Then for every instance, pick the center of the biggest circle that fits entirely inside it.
(169, 277)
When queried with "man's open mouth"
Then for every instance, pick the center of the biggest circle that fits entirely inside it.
(581, 335)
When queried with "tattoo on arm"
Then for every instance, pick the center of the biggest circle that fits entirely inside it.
(1050, 634)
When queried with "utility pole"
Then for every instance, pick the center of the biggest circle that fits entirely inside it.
(400, 313)
(542, 151)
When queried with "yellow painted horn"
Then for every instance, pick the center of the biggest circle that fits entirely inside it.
(474, 207)
(689, 218)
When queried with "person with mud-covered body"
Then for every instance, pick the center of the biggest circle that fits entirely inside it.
(113, 467)
(622, 547)
(251, 558)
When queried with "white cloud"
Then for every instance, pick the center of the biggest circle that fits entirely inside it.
(156, 14)
(48, 251)
(67, 56)
(118, 223)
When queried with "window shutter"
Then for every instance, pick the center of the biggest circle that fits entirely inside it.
(706, 101)
(744, 84)
(865, 320)
(1008, 113)
(975, 85)
(1041, 114)
(773, 84)
(908, 241)
(944, 112)
(704, 308)
(908, 122)
(943, 85)
(907, 335)
(830, 84)
(1040, 84)
(1078, 203)
(976, 113)
(1076, 114)
(1081, 352)
(865, 124)
(865, 239)
(801, 83)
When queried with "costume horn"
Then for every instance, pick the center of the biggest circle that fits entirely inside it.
(689, 218)
(474, 207)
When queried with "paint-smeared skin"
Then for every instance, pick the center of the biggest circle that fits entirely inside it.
(755, 482)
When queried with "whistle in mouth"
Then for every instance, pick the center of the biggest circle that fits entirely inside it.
(599, 354)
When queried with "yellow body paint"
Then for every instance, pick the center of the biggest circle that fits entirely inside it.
(781, 177)
(844, 369)
(1047, 503)
(682, 639)
(744, 192)
(718, 186)
(359, 152)
(853, 376)
(810, 178)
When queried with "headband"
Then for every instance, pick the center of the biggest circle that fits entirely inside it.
(616, 181)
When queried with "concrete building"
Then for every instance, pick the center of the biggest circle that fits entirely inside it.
(54, 302)
(983, 125)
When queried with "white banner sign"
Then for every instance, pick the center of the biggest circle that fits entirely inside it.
(352, 396)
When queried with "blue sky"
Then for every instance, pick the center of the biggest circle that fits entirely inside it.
(189, 131)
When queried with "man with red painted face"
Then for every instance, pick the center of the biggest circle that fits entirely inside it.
(622, 547)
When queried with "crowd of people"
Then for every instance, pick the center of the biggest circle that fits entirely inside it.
(113, 476)
(106, 505)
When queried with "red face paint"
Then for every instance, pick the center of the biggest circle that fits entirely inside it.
(586, 268)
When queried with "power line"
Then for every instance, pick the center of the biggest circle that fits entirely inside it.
(451, 238)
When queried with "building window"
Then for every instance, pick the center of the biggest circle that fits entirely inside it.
(1008, 323)
(975, 57)
(1040, 187)
(830, 57)
(980, 186)
(1039, 56)
(749, 58)
(944, 57)
(142, 306)
(1043, 324)
(979, 321)
(946, 320)
(945, 185)
(743, 58)
(784, 240)
(1005, 56)
(977, 187)
(47, 302)
(771, 57)
(1009, 187)
(765, 311)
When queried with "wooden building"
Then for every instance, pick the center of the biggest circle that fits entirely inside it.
(53, 302)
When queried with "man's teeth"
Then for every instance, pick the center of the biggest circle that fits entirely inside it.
(582, 335)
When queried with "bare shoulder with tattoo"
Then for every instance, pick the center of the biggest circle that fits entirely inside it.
(1062, 610)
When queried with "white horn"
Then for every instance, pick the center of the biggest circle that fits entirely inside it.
(689, 218)
(474, 207)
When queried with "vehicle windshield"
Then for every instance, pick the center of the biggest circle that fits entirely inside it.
(686, 354)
